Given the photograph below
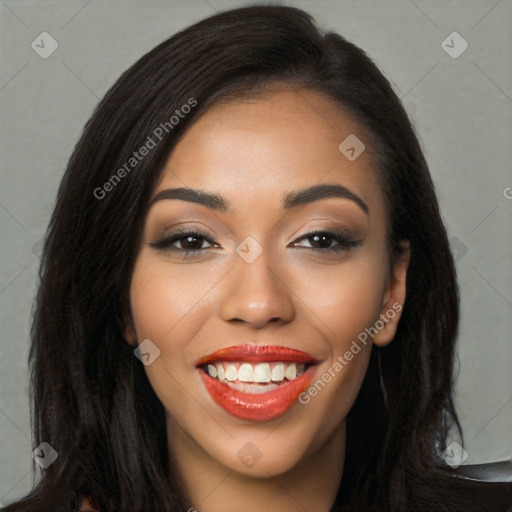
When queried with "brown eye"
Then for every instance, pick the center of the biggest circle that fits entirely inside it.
(323, 241)
(191, 242)
(327, 241)
(185, 241)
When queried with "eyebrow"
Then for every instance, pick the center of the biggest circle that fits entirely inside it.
(290, 200)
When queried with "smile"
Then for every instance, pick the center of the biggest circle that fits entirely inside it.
(256, 383)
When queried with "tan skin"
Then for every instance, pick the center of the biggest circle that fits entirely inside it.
(252, 153)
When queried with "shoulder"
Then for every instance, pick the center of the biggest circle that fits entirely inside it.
(85, 502)
(463, 493)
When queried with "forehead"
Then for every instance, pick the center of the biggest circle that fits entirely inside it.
(255, 149)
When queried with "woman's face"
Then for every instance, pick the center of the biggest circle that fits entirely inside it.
(280, 262)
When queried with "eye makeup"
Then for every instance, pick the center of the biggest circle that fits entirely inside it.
(192, 241)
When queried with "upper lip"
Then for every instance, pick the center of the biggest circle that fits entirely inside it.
(259, 353)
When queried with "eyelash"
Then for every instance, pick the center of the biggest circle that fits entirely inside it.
(343, 239)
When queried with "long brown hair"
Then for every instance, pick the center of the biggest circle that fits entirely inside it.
(91, 399)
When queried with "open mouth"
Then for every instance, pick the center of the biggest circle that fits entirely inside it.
(255, 377)
(256, 383)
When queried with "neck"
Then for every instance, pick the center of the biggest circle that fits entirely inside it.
(312, 484)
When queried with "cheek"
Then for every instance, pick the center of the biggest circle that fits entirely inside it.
(165, 298)
(169, 306)
(345, 299)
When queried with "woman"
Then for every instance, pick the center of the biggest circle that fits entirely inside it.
(247, 298)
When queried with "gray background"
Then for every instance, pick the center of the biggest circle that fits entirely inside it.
(461, 108)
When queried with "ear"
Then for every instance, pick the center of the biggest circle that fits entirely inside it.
(394, 298)
(125, 323)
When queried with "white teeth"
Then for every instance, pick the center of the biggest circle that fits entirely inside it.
(221, 374)
(291, 372)
(231, 373)
(253, 388)
(245, 373)
(262, 373)
(278, 373)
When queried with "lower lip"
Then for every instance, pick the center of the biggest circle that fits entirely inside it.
(260, 406)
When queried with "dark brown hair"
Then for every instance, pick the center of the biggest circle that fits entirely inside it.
(91, 399)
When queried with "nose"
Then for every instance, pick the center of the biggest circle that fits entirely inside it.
(255, 294)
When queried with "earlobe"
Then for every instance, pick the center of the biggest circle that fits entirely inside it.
(126, 327)
(394, 298)
(129, 335)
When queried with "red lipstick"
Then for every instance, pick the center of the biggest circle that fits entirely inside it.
(249, 399)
